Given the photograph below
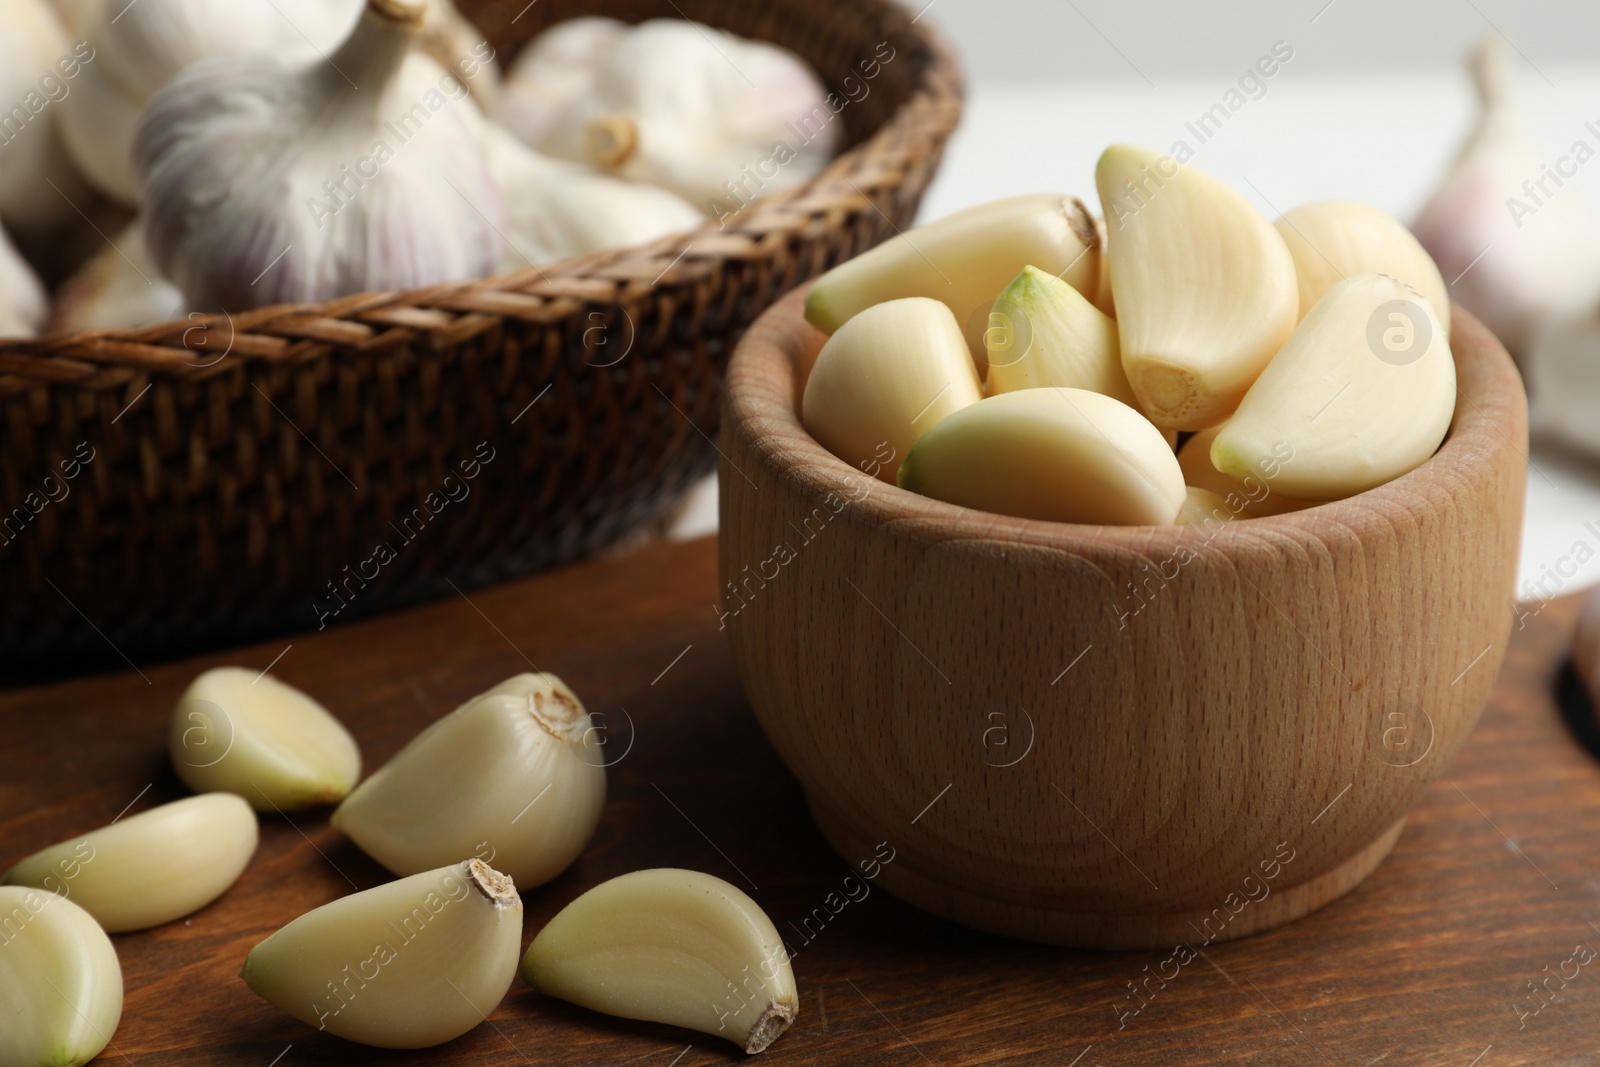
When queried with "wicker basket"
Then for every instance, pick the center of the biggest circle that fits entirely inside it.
(174, 498)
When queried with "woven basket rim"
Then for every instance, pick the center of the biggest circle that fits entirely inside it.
(446, 314)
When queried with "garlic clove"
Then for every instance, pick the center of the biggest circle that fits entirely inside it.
(1249, 496)
(267, 180)
(1333, 239)
(515, 775)
(60, 981)
(964, 260)
(557, 210)
(1362, 392)
(244, 732)
(118, 287)
(1518, 248)
(1102, 285)
(1205, 288)
(1061, 455)
(886, 377)
(670, 946)
(1043, 332)
(22, 299)
(149, 868)
(1201, 506)
(410, 964)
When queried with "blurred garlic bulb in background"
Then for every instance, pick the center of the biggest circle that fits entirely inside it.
(456, 45)
(119, 286)
(22, 299)
(676, 104)
(1516, 246)
(270, 181)
(556, 210)
(35, 56)
(552, 72)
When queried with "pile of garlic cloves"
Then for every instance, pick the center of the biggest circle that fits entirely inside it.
(492, 800)
(244, 153)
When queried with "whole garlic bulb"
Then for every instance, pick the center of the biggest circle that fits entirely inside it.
(688, 107)
(556, 210)
(22, 299)
(117, 287)
(1538, 242)
(269, 181)
(1563, 372)
(552, 71)
(35, 58)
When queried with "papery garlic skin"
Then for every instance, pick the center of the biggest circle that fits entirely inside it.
(551, 72)
(670, 946)
(1061, 455)
(681, 105)
(1205, 288)
(1362, 392)
(150, 868)
(119, 287)
(515, 776)
(1250, 496)
(1562, 366)
(964, 260)
(557, 210)
(1333, 239)
(22, 299)
(60, 981)
(38, 184)
(885, 378)
(1043, 332)
(244, 732)
(456, 45)
(1513, 256)
(409, 964)
(264, 181)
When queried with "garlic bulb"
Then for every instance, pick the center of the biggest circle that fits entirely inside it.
(718, 119)
(1563, 369)
(39, 71)
(268, 181)
(1516, 246)
(149, 868)
(60, 981)
(22, 299)
(244, 732)
(515, 776)
(552, 72)
(409, 964)
(556, 210)
(455, 44)
(118, 287)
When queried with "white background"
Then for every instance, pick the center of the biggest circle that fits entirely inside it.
(1371, 107)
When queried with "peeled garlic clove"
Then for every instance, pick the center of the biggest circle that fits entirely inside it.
(557, 210)
(60, 981)
(964, 260)
(1250, 496)
(670, 946)
(1205, 288)
(1062, 455)
(120, 287)
(267, 180)
(1201, 506)
(1043, 332)
(515, 775)
(1333, 239)
(22, 300)
(150, 868)
(885, 378)
(410, 964)
(244, 732)
(1518, 248)
(1361, 393)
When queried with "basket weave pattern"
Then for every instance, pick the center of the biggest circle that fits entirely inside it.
(174, 497)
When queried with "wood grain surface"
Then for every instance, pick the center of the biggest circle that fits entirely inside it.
(1192, 700)
(1491, 888)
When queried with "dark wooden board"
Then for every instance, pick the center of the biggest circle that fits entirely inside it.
(1495, 878)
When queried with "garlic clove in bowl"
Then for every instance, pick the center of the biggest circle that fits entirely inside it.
(515, 775)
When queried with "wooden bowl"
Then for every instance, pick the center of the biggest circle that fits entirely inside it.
(1114, 737)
